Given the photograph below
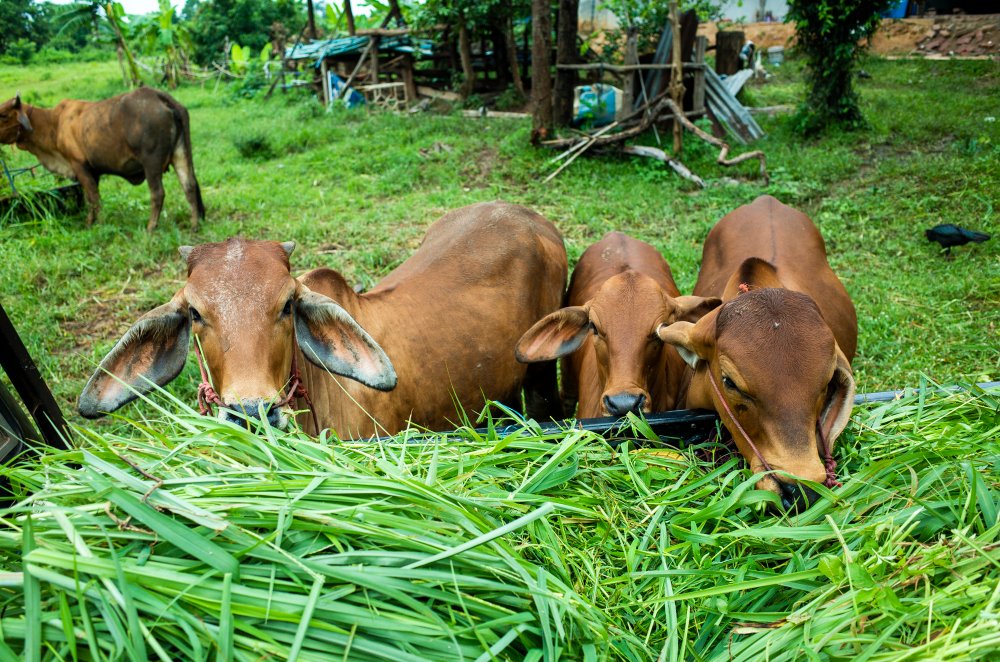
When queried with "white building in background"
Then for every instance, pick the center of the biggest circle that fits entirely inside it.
(592, 17)
(754, 11)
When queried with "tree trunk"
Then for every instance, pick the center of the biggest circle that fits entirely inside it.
(727, 52)
(465, 54)
(311, 17)
(515, 68)
(541, 76)
(349, 14)
(566, 53)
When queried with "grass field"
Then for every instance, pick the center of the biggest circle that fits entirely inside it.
(465, 546)
(356, 192)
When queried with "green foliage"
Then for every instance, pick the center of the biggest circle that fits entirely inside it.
(161, 35)
(255, 146)
(191, 536)
(648, 18)
(22, 50)
(246, 22)
(828, 33)
(22, 20)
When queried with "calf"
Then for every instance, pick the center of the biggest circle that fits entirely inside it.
(775, 359)
(621, 292)
(437, 332)
(136, 135)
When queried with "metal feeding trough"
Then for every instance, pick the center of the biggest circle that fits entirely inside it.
(62, 199)
(683, 426)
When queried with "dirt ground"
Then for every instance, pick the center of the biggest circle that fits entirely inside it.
(958, 35)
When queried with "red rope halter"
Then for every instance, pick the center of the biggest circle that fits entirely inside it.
(829, 463)
(207, 395)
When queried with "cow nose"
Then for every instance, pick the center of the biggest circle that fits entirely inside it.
(239, 412)
(620, 404)
(796, 497)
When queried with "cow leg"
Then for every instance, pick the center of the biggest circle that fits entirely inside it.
(541, 392)
(184, 167)
(88, 181)
(154, 177)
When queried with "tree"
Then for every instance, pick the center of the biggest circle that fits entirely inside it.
(829, 34)
(541, 74)
(476, 21)
(160, 35)
(22, 20)
(245, 22)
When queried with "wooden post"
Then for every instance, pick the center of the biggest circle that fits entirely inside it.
(326, 83)
(698, 100)
(566, 53)
(349, 14)
(541, 75)
(676, 74)
(374, 64)
(727, 52)
(411, 86)
(631, 58)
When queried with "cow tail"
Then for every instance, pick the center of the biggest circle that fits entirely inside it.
(183, 152)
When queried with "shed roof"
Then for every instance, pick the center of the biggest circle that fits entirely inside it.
(324, 48)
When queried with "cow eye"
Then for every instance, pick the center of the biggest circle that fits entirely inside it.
(287, 310)
(728, 383)
(195, 315)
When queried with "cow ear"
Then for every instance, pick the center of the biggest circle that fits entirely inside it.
(692, 309)
(22, 117)
(330, 338)
(151, 353)
(839, 400)
(694, 342)
(555, 335)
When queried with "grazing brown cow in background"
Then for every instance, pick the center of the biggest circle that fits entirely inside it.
(135, 135)
(622, 290)
(775, 358)
(447, 318)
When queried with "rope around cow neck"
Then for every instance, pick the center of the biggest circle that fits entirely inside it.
(829, 463)
(207, 395)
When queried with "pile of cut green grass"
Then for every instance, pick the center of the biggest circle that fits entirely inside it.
(231, 545)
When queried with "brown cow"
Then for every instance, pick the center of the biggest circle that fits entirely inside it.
(622, 290)
(448, 319)
(135, 135)
(779, 349)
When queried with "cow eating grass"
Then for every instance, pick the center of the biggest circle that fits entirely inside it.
(437, 331)
(775, 359)
(136, 136)
(622, 290)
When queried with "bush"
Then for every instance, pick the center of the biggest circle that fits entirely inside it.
(828, 33)
(22, 50)
(255, 146)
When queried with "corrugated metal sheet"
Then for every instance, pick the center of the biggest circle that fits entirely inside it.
(729, 110)
(317, 50)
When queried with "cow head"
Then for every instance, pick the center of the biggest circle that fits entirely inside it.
(241, 304)
(13, 120)
(623, 317)
(783, 376)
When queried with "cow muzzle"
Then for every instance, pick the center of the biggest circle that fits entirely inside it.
(623, 402)
(255, 409)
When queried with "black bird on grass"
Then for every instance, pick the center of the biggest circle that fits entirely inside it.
(949, 235)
